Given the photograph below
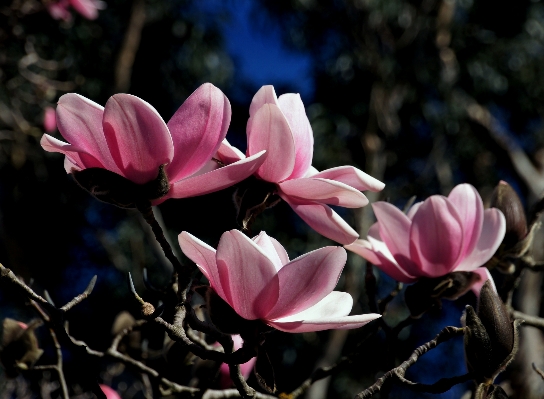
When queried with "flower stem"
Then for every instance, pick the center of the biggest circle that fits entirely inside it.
(183, 271)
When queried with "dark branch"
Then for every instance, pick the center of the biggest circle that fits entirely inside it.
(444, 335)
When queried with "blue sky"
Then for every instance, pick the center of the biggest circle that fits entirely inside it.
(259, 54)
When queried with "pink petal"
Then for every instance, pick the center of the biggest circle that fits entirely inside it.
(307, 280)
(394, 227)
(268, 247)
(265, 95)
(292, 107)
(324, 220)
(248, 276)
(270, 131)
(413, 210)
(229, 154)
(280, 250)
(493, 230)
(436, 237)
(75, 155)
(339, 323)
(313, 171)
(137, 137)
(335, 304)
(79, 120)
(330, 313)
(380, 256)
(484, 274)
(59, 10)
(217, 179)
(470, 207)
(198, 127)
(87, 8)
(109, 392)
(69, 166)
(352, 177)
(204, 257)
(323, 191)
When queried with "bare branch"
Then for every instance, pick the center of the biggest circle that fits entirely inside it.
(538, 371)
(81, 297)
(444, 335)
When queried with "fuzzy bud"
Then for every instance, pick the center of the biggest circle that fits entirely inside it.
(507, 201)
(490, 337)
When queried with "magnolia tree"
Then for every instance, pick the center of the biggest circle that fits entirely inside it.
(227, 300)
(126, 155)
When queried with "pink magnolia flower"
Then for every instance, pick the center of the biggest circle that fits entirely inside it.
(49, 119)
(224, 378)
(256, 278)
(130, 138)
(280, 126)
(87, 8)
(436, 237)
(109, 392)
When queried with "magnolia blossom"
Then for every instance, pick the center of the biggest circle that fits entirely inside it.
(224, 378)
(130, 138)
(438, 236)
(280, 126)
(256, 278)
(87, 8)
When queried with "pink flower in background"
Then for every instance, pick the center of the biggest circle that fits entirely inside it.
(224, 378)
(436, 237)
(280, 126)
(49, 119)
(129, 137)
(87, 8)
(109, 392)
(256, 278)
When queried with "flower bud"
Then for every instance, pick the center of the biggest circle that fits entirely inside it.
(507, 201)
(490, 336)
(20, 348)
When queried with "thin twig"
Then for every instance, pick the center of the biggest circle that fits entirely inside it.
(119, 337)
(382, 303)
(444, 335)
(538, 371)
(7, 274)
(58, 349)
(183, 270)
(81, 297)
(533, 321)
